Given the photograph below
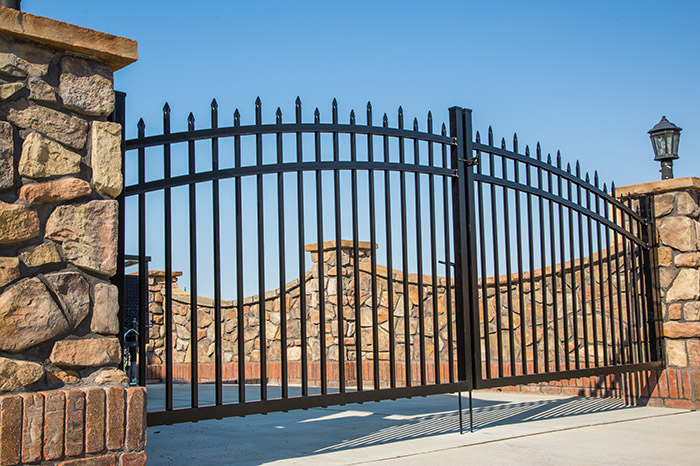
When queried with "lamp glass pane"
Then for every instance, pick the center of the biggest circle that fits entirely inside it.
(674, 148)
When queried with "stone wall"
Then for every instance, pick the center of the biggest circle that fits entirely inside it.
(60, 171)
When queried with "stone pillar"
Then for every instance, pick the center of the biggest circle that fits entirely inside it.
(63, 398)
(677, 212)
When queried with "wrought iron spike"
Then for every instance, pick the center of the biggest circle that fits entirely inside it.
(190, 118)
(558, 159)
(612, 189)
(400, 117)
(605, 188)
(568, 167)
(515, 142)
(335, 102)
(278, 115)
(166, 108)
(588, 178)
(369, 105)
(317, 115)
(142, 124)
(415, 124)
(478, 136)
(549, 159)
(490, 135)
(258, 102)
(352, 117)
(236, 117)
(538, 151)
(298, 102)
(595, 178)
(214, 103)
(527, 151)
(444, 129)
(369, 113)
(430, 121)
(385, 120)
(578, 169)
(503, 143)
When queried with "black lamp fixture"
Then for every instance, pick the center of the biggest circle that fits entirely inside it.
(14, 4)
(664, 139)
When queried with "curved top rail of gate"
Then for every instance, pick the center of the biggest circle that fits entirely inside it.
(214, 132)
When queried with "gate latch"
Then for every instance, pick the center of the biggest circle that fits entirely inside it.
(470, 161)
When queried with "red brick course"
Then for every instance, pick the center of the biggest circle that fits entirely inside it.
(74, 427)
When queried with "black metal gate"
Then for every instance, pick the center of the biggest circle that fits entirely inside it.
(363, 264)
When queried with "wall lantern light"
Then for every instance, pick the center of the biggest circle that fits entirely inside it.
(664, 139)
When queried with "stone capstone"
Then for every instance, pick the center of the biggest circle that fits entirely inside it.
(44, 254)
(106, 157)
(10, 89)
(74, 292)
(29, 316)
(679, 233)
(41, 91)
(20, 59)
(15, 373)
(106, 310)
(17, 223)
(86, 86)
(88, 233)
(56, 191)
(7, 170)
(86, 352)
(64, 128)
(686, 286)
(9, 270)
(42, 157)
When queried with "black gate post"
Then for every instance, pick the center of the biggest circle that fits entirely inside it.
(119, 116)
(651, 271)
(468, 359)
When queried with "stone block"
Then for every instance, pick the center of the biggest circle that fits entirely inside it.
(663, 204)
(64, 128)
(8, 90)
(37, 256)
(693, 353)
(73, 291)
(110, 376)
(9, 270)
(17, 223)
(59, 377)
(666, 276)
(54, 424)
(29, 316)
(41, 91)
(7, 150)
(665, 256)
(682, 329)
(32, 426)
(135, 418)
(114, 435)
(94, 420)
(687, 205)
(86, 86)
(86, 352)
(54, 192)
(10, 429)
(75, 422)
(106, 157)
(88, 233)
(675, 311)
(676, 353)
(686, 286)
(687, 259)
(21, 59)
(679, 233)
(41, 158)
(105, 312)
(16, 373)
(691, 311)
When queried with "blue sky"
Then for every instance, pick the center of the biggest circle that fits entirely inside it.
(587, 78)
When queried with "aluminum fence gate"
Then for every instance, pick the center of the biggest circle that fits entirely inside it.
(354, 262)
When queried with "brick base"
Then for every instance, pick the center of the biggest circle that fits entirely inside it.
(85, 426)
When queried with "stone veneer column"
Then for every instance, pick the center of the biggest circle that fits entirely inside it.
(63, 398)
(677, 213)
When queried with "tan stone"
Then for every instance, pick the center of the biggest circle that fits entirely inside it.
(42, 157)
(676, 353)
(63, 377)
(687, 204)
(675, 311)
(29, 316)
(7, 150)
(665, 256)
(15, 373)
(682, 329)
(74, 293)
(686, 286)
(86, 352)
(57, 191)
(36, 256)
(86, 86)
(41, 91)
(64, 128)
(88, 233)
(21, 59)
(17, 223)
(110, 376)
(679, 233)
(106, 157)
(106, 309)
(10, 89)
(9, 270)
(691, 311)
(663, 204)
(666, 276)
(688, 259)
